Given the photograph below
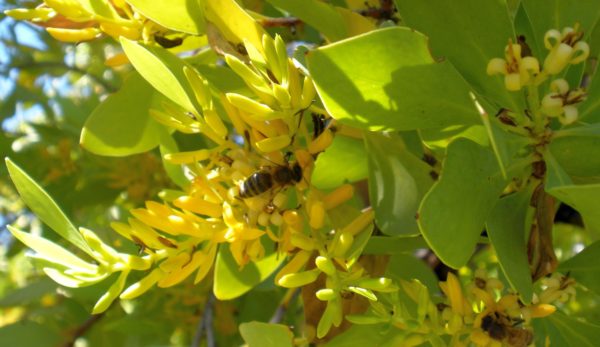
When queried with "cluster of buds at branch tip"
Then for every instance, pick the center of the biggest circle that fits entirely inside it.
(561, 101)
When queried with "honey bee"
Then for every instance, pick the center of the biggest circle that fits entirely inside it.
(270, 177)
(502, 328)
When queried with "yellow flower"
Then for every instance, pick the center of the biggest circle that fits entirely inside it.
(565, 48)
(517, 70)
(561, 101)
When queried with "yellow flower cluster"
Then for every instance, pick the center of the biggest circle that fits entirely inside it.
(565, 48)
(254, 182)
(561, 101)
(480, 313)
(520, 71)
(77, 21)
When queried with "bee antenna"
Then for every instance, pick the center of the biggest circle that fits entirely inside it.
(301, 113)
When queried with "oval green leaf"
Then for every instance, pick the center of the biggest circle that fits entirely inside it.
(507, 228)
(387, 80)
(453, 213)
(397, 182)
(344, 161)
(232, 282)
(121, 124)
(468, 33)
(563, 330)
(584, 267)
(258, 334)
(578, 155)
(163, 70)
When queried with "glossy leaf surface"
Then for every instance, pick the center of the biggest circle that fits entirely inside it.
(507, 229)
(257, 334)
(231, 281)
(121, 124)
(407, 89)
(453, 213)
(397, 182)
(584, 267)
(163, 70)
(468, 33)
(44, 207)
(344, 161)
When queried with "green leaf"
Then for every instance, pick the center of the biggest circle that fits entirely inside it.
(407, 267)
(468, 33)
(28, 333)
(44, 207)
(359, 335)
(578, 154)
(179, 15)
(222, 78)
(344, 161)
(163, 70)
(257, 334)
(397, 182)
(507, 228)
(393, 245)
(333, 22)
(453, 213)
(121, 125)
(175, 172)
(232, 282)
(387, 80)
(28, 294)
(557, 14)
(53, 251)
(556, 175)
(584, 267)
(563, 330)
(584, 198)
(320, 15)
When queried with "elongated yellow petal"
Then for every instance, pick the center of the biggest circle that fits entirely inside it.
(73, 35)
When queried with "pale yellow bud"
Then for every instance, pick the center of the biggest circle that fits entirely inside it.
(551, 38)
(497, 66)
(569, 116)
(558, 58)
(326, 265)
(513, 81)
(326, 294)
(317, 215)
(560, 86)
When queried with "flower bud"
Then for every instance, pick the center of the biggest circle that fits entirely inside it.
(326, 294)
(326, 265)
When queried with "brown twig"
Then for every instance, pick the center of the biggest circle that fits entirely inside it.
(280, 22)
(205, 324)
(82, 329)
(283, 307)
